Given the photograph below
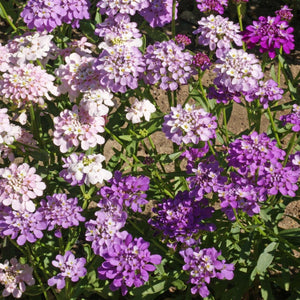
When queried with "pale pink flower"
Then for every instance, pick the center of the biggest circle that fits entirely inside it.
(14, 277)
(4, 58)
(18, 185)
(27, 83)
(140, 109)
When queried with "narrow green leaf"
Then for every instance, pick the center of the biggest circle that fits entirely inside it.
(266, 258)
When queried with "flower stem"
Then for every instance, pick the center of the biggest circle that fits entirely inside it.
(274, 127)
(240, 16)
(173, 18)
(8, 18)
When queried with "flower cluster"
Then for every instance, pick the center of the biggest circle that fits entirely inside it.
(129, 7)
(203, 264)
(127, 262)
(118, 30)
(212, 6)
(80, 169)
(47, 15)
(18, 185)
(159, 12)
(167, 65)
(23, 226)
(181, 219)
(140, 109)
(77, 75)
(120, 68)
(70, 267)
(76, 126)
(59, 211)
(14, 275)
(189, 125)
(270, 33)
(27, 84)
(126, 191)
(218, 33)
(238, 71)
(293, 118)
(285, 13)
(182, 39)
(202, 61)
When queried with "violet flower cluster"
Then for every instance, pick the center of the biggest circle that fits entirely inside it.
(285, 13)
(203, 265)
(180, 220)
(159, 12)
(292, 118)
(189, 125)
(270, 33)
(167, 65)
(182, 39)
(84, 169)
(14, 276)
(127, 262)
(218, 33)
(47, 15)
(212, 6)
(70, 267)
(201, 61)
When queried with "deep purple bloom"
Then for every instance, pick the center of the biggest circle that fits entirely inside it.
(70, 267)
(285, 13)
(270, 33)
(293, 118)
(203, 264)
(127, 262)
(181, 219)
(159, 12)
(183, 39)
(60, 212)
(222, 95)
(202, 61)
(212, 6)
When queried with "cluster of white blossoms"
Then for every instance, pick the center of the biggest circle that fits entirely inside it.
(140, 109)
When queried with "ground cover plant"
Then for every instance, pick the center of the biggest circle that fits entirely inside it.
(90, 208)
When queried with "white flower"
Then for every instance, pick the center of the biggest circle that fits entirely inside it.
(140, 109)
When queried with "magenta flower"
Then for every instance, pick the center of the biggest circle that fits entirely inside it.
(18, 185)
(285, 13)
(27, 84)
(211, 6)
(14, 277)
(182, 39)
(70, 267)
(270, 33)
(159, 12)
(201, 61)
(127, 262)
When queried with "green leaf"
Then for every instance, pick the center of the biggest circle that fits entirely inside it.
(266, 258)
(266, 289)
(179, 284)
(291, 235)
(127, 138)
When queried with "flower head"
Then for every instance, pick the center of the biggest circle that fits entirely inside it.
(140, 109)
(293, 118)
(211, 6)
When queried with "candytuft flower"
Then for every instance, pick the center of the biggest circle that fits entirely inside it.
(140, 109)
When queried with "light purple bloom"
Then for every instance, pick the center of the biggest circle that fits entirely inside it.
(76, 10)
(293, 118)
(70, 267)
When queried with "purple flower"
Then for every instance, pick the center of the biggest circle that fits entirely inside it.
(189, 125)
(202, 61)
(127, 262)
(43, 15)
(70, 267)
(159, 12)
(23, 226)
(203, 264)
(60, 212)
(238, 71)
(76, 10)
(181, 219)
(265, 91)
(222, 95)
(120, 68)
(183, 39)
(270, 33)
(293, 118)
(212, 6)
(218, 33)
(168, 65)
(285, 13)
(126, 191)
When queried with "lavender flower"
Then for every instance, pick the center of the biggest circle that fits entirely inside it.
(293, 118)
(218, 33)
(203, 264)
(159, 12)
(127, 262)
(70, 267)
(238, 71)
(167, 65)
(14, 275)
(120, 68)
(76, 10)
(212, 6)
(181, 219)
(189, 125)
(60, 212)
(43, 15)
(23, 226)
(270, 33)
